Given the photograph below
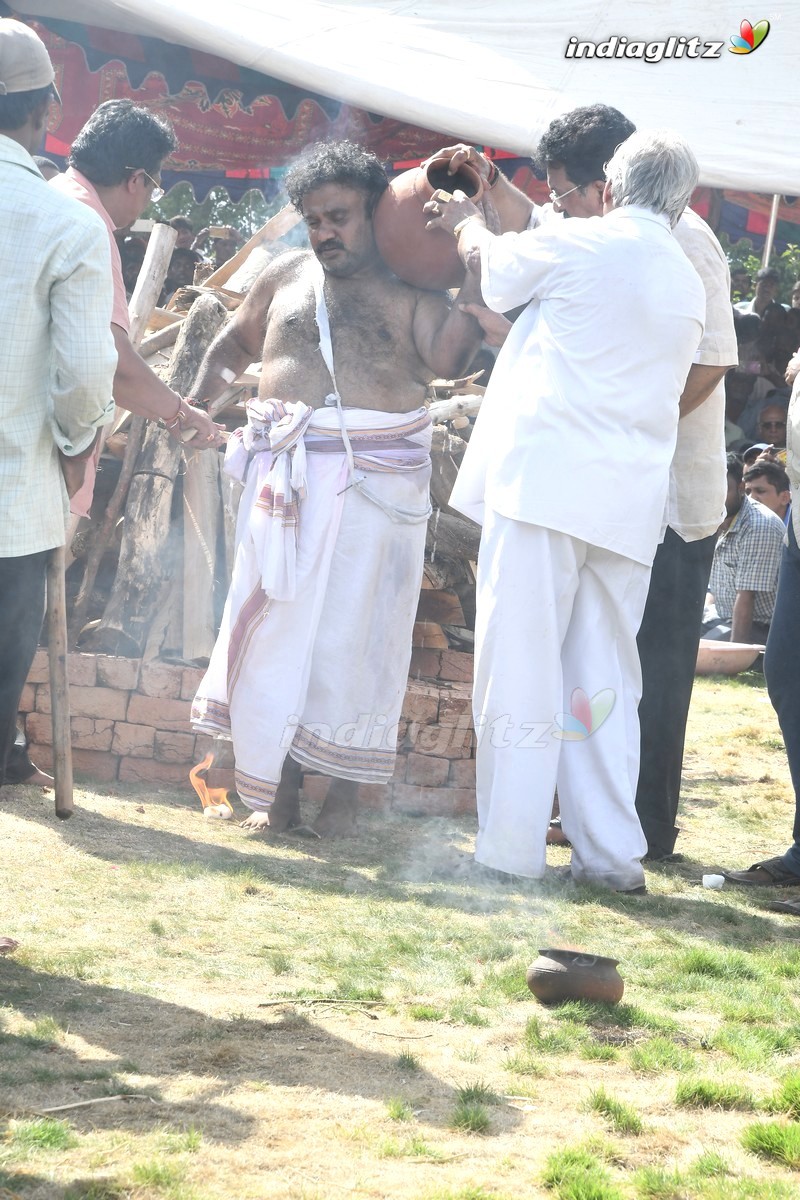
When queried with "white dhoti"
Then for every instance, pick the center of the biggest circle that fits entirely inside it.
(556, 629)
(313, 652)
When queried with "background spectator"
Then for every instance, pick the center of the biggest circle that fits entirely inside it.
(768, 483)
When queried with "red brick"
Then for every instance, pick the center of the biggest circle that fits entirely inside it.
(40, 668)
(429, 771)
(134, 741)
(117, 672)
(455, 703)
(88, 702)
(190, 681)
(442, 741)
(457, 665)
(220, 748)
(161, 714)
(462, 773)
(160, 680)
(425, 663)
(91, 733)
(442, 606)
(376, 796)
(82, 670)
(464, 802)
(39, 728)
(27, 701)
(221, 777)
(421, 703)
(147, 770)
(423, 801)
(94, 763)
(41, 754)
(315, 787)
(174, 747)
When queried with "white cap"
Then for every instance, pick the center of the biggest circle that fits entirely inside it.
(24, 62)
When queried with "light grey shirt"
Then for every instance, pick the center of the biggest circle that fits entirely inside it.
(57, 356)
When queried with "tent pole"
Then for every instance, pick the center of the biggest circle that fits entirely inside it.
(770, 238)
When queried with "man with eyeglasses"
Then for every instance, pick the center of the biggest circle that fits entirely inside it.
(574, 150)
(114, 168)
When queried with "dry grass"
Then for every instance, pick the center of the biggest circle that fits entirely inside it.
(150, 939)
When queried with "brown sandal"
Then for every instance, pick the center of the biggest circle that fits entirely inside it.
(769, 873)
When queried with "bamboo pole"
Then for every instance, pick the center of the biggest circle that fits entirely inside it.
(275, 227)
(770, 238)
(59, 681)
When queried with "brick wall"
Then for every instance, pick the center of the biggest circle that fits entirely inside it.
(130, 722)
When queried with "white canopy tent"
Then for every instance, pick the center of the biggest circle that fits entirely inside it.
(495, 72)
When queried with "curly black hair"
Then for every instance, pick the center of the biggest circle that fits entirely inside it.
(121, 137)
(583, 141)
(336, 162)
(16, 108)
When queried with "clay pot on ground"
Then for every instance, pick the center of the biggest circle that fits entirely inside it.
(426, 258)
(559, 975)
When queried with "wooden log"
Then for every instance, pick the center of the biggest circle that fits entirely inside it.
(202, 514)
(59, 681)
(148, 287)
(150, 280)
(441, 606)
(143, 563)
(275, 228)
(452, 537)
(456, 406)
(446, 453)
(160, 340)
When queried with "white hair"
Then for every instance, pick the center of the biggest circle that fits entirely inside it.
(655, 169)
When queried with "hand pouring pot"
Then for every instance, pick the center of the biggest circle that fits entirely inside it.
(426, 258)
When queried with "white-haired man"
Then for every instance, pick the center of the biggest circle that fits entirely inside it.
(614, 312)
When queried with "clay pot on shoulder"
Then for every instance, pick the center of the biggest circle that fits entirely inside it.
(559, 975)
(426, 258)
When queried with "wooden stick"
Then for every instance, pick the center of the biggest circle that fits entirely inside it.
(150, 280)
(59, 681)
(457, 406)
(275, 227)
(160, 339)
(97, 1100)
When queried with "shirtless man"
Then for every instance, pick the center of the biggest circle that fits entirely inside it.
(313, 653)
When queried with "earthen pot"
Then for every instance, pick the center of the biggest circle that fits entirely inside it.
(572, 975)
(426, 258)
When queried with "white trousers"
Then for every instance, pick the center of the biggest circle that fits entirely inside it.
(554, 615)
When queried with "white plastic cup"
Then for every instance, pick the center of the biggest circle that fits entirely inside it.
(713, 881)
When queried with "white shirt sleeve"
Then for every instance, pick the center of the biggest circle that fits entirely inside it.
(516, 267)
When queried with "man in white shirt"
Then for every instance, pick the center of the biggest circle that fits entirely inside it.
(574, 149)
(584, 393)
(57, 357)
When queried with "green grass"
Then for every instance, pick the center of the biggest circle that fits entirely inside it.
(579, 1174)
(477, 1093)
(469, 1116)
(780, 1143)
(660, 1054)
(426, 1012)
(656, 1183)
(787, 1098)
(622, 1117)
(43, 1133)
(398, 1109)
(406, 1061)
(708, 1093)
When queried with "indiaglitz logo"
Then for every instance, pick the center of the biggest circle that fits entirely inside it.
(749, 37)
(650, 52)
(585, 716)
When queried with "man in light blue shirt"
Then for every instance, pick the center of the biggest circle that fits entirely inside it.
(57, 357)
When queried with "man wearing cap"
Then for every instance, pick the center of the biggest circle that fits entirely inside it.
(57, 360)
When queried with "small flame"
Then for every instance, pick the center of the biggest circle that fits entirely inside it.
(208, 796)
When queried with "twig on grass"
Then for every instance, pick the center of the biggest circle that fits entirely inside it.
(322, 1000)
(403, 1037)
(40, 1112)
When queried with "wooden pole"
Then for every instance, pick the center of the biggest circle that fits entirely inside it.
(770, 238)
(59, 681)
(275, 227)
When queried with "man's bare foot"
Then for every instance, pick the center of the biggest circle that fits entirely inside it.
(338, 814)
(284, 812)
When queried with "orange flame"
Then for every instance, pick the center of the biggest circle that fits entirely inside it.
(207, 795)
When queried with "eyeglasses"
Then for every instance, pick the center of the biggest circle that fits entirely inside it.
(557, 199)
(157, 192)
(772, 424)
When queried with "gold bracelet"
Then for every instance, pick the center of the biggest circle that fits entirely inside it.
(457, 228)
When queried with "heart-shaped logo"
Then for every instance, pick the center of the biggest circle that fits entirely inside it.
(585, 716)
(749, 37)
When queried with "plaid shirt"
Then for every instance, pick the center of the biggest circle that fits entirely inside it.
(746, 559)
(57, 356)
